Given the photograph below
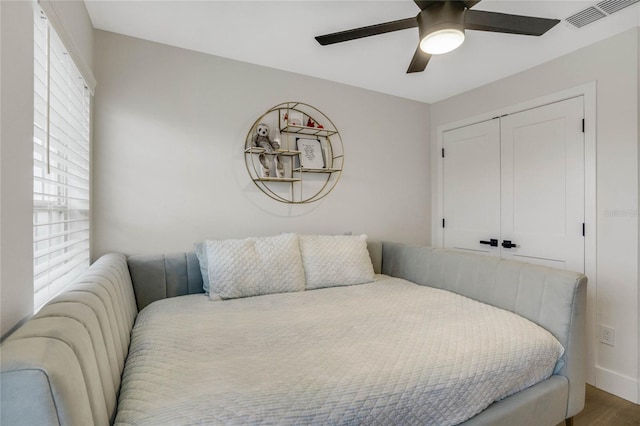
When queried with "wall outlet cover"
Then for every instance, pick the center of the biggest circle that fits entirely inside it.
(607, 335)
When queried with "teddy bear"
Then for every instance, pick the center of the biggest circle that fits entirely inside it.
(261, 139)
(271, 162)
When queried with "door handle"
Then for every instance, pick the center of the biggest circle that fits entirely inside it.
(508, 244)
(491, 242)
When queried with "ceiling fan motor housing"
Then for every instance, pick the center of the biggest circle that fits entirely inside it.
(441, 16)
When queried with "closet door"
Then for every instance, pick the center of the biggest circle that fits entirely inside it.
(471, 198)
(542, 185)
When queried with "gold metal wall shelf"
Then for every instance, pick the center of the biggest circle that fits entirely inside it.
(298, 184)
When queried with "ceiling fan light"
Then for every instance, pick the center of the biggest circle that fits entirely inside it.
(442, 41)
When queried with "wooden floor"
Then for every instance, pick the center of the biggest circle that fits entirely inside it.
(603, 409)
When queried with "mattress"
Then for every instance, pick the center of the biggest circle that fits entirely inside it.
(387, 352)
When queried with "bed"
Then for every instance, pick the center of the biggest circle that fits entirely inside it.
(437, 337)
(388, 352)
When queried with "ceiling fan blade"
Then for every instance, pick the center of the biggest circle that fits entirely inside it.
(419, 61)
(423, 4)
(470, 3)
(371, 30)
(505, 23)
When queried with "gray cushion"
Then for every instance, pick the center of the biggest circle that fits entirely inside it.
(157, 277)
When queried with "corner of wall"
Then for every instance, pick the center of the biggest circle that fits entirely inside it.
(638, 132)
(429, 185)
(16, 163)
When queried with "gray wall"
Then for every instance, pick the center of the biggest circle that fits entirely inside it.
(16, 146)
(613, 64)
(16, 173)
(170, 126)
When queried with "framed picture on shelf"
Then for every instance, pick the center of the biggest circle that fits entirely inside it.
(295, 118)
(311, 154)
(284, 118)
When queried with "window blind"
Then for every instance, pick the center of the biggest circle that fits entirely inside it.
(60, 165)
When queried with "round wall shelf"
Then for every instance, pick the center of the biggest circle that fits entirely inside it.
(308, 162)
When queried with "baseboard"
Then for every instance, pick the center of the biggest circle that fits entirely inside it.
(617, 384)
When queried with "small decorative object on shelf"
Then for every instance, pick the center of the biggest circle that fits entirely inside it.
(300, 163)
(295, 118)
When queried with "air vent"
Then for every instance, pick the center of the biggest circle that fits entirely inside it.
(612, 6)
(585, 17)
(599, 11)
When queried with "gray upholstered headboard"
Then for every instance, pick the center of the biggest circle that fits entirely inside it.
(160, 276)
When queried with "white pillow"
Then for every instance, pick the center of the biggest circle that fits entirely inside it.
(201, 254)
(254, 266)
(335, 260)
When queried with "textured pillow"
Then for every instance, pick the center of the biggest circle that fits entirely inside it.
(335, 260)
(201, 254)
(254, 266)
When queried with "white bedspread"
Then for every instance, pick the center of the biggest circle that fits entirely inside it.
(389, 352)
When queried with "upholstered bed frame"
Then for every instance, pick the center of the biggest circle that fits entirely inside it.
(64, 366)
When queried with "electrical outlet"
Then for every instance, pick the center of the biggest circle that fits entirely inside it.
(607, 335)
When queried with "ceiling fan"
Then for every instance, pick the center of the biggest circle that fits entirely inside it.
(442, 26)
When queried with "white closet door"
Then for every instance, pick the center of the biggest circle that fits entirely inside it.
(471, 198)
(542, 185)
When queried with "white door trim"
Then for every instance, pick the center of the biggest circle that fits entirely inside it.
(588, 91)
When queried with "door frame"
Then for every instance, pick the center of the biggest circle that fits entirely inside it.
(588, 92)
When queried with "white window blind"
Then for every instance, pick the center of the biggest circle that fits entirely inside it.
(60, 165)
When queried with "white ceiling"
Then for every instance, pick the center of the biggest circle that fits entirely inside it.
(280, 34)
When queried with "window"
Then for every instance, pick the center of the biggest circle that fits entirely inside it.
(60, 165)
